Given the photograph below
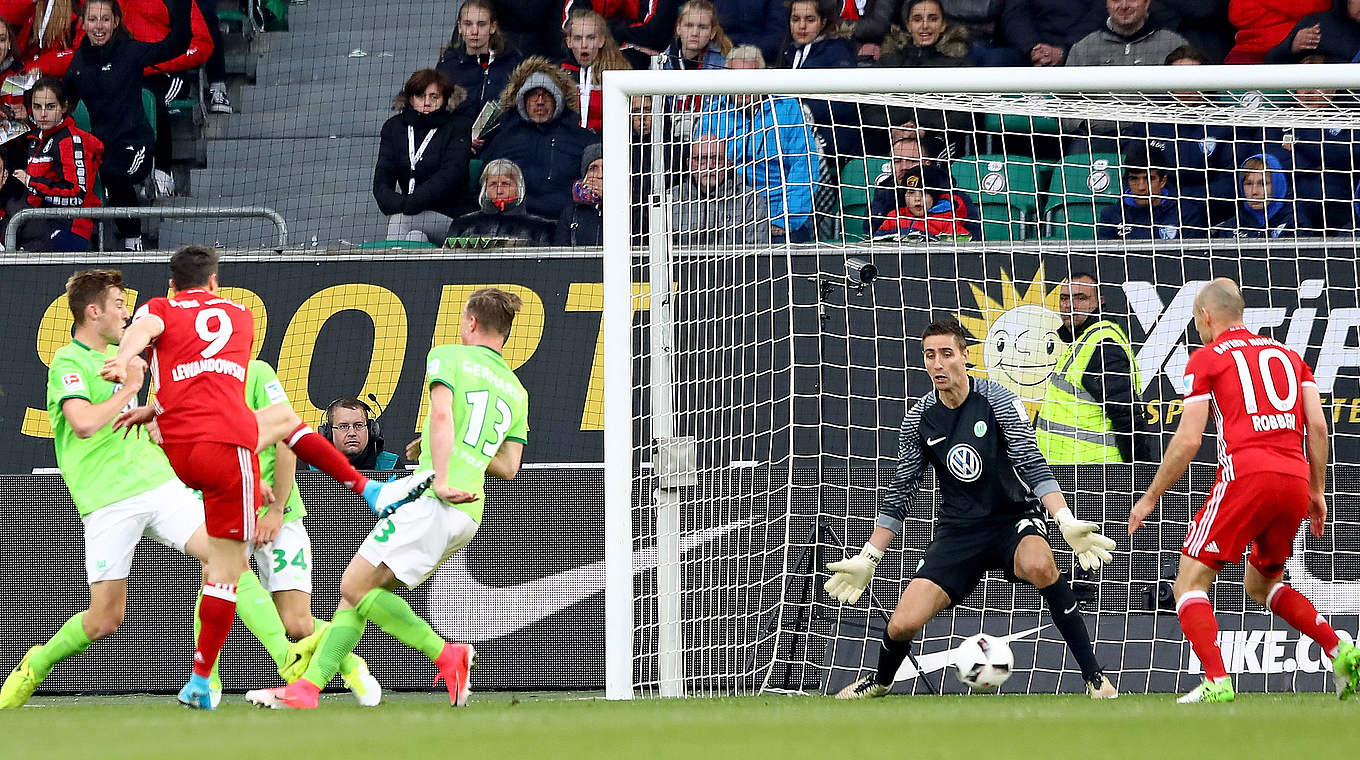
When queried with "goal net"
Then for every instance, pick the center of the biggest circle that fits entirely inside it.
(788, 237)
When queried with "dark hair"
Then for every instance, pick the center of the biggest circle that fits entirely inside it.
(121, 30)
(348, 403)
(421, 81)
(947, 327)
(910, 4)
(87, 286)
(1082, 274)
(192, 265)
(1186, 53)
(48, 83)
(494, 308)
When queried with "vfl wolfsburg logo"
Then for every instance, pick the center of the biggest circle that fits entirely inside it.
(964, 462)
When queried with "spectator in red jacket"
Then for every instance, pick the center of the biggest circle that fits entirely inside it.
(593, 51)
(51, 37)
(1262, 24)
(63, 160)
(149, 21)
(16, 13)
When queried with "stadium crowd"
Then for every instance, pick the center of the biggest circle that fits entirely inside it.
(811, 169)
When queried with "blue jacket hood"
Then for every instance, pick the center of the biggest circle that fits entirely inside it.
(1279, 189)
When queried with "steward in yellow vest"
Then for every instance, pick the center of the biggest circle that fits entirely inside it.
(1089, 410)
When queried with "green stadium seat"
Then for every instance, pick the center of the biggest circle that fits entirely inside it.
(1080, 188)
(1004, 193)
(996, 126)
(857, 187)
(376, 245)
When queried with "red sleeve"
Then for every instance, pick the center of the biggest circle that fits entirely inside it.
(76, 175)
(1305, 372)
(156, 307)
(200, 47)
(1197, 384)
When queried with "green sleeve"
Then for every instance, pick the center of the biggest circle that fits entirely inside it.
(519, 430)
(263, 387)
(66, 379)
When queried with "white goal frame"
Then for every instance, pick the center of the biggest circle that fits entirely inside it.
(619, 86)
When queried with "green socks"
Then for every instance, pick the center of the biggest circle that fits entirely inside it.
(69, 641)
(350, 661)
(392, 614)
(337, 642)
(256, 609)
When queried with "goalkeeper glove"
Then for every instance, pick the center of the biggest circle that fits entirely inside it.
(1091, 548)
(852, 574)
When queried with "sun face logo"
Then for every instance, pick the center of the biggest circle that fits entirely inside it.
(1021, 341)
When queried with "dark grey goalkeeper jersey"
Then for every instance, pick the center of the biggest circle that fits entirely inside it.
(985, 458)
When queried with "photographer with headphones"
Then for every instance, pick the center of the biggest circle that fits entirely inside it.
(351, 426)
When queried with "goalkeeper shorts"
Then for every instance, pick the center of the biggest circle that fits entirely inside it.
(963, 552)
(417, 538)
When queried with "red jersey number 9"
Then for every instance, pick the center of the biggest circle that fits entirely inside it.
(215, 338)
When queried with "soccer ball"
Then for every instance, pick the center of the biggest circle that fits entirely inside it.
(984, 662)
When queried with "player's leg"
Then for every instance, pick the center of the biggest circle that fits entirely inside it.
(920, 601)
(111, 536)
(1196, 615)
(1033, 563)
(1263, 581)
(228, 477)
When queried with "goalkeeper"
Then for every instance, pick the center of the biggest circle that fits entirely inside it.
(992, 481)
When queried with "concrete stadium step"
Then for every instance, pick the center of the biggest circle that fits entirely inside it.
(290, 120)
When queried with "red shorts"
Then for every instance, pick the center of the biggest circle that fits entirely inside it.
(1263, 509)
(229, 478)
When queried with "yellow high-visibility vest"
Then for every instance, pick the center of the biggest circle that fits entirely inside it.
(1072, 427)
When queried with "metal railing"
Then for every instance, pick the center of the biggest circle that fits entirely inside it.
(139, 212)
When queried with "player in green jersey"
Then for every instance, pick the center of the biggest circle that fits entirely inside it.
(478, 423)
(122, 485)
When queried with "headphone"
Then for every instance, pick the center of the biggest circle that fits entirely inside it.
(374, 426)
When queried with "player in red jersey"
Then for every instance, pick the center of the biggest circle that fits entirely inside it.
(201, 344)
(1268, 412)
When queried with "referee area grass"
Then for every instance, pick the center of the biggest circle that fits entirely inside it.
(583, 725)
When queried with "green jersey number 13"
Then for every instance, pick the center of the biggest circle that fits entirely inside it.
(477, 435)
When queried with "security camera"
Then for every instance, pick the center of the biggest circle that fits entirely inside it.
(860, 271)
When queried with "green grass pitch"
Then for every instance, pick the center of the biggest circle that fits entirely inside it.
(557, 725)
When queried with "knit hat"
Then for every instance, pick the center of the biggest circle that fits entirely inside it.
(594, 152)
(533, 82)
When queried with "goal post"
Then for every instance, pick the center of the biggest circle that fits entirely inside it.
(752, 390)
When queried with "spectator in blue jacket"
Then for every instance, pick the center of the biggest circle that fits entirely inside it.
(817, 41)
(1265, 208)
(1333, 34)
(761, 23)
(540, 134)
(477, 58)
(1149, 209)
(772, 146)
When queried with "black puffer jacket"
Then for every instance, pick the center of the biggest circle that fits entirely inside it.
(108, 78)
(482, 82)
(581, 224)
(441, 172)
(513, 223)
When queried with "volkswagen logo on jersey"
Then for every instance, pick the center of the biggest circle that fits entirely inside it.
(964, 462)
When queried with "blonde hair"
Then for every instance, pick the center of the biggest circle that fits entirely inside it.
(746, 53)
(720, 38)
(58, 29)
(494, 308)
(611, 58)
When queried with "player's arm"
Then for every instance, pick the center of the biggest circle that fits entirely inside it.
(441, 444)
(1177, 457)
(285, 472)
(145, 329)
(505, 465)
(1090, 548)
(86, 418)
(851, 575)
(1315, 424)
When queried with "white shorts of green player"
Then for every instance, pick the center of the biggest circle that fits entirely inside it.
(168, 514)
(416, 539)
(285, 564)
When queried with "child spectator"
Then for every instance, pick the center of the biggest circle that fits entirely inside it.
(920, 205)
(592, 52)
(501, 213)
(63, 161)
(1149, 210)
(582, 222)
(423, 159)
(477, 57)
(540, 134)
(926, 38)
(1264, 208)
